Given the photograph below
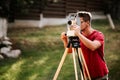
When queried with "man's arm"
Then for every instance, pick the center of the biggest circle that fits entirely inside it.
(93, 45)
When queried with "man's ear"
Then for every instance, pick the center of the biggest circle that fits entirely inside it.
(88, 22)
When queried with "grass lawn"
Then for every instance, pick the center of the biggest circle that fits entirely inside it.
(42, 50)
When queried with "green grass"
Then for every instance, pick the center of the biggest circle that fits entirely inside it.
(42, 50)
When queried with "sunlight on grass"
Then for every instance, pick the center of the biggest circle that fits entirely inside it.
(13, 71)
(41, 61)
(112, 59)
(113, 56)
(33, 77)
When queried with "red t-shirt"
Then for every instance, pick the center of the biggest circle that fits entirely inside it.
(94, 59)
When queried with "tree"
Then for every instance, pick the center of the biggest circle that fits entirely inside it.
(112, 7)
(115, 9)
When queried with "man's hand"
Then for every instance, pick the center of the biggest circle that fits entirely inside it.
(65, 41)
(76, 29)
(63, 36)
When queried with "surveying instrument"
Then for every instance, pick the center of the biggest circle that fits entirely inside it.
(74, 42)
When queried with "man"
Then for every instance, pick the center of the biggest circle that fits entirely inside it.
(92, 45)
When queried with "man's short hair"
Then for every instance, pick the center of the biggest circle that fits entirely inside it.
(86, 15)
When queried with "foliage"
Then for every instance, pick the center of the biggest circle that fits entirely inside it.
(23, 6)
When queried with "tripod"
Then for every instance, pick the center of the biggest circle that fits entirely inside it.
(74, 41)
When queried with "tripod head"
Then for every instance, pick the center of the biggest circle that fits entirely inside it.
(74, 40)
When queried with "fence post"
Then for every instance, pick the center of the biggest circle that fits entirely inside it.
(110, 21)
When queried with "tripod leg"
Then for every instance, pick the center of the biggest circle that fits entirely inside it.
(83, 77)
(82, 72)
(60, 64)
(75, 67)
(85, 65)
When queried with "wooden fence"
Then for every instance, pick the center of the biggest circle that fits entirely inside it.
(60, 9)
